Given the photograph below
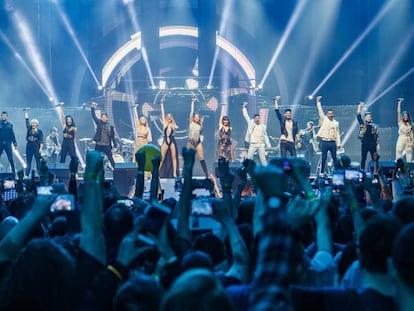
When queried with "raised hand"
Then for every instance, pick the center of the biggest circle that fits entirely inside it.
(270, 180)
(189, 158)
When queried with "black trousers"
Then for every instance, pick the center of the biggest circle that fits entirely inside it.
(6, 147)
(327, 146)
(32, 150)
(287, 146)
(107, 151)
(365, 148)
(68, 147)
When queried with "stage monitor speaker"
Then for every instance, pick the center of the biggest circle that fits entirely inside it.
(9, 176)
(387, 167)
(62, 172)
(124, 177)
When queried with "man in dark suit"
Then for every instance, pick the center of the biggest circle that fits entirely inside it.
(7, 138)
(289, 130)
(105, 135)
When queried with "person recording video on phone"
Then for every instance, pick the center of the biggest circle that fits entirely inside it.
(7, 139)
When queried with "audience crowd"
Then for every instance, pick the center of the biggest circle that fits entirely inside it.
(286, 241)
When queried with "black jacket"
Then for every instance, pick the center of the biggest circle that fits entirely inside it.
(99, 123)
(282, 122)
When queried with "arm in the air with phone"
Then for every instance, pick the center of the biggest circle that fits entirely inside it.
(17, 237)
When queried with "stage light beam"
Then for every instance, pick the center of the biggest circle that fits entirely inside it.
(356, 43)
(291, 24)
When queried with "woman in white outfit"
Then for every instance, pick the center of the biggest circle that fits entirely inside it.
(405, 133)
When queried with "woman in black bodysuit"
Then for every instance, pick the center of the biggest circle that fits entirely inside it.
(169, 152)
(69, 135)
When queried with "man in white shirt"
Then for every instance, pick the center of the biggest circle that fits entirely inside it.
(328, 134)
(256, 136)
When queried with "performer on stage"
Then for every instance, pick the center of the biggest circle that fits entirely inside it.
(368, 134)
(143, 133)
(169, 152)
(195, 138)
(224, 147)
(405, 133)
(7, 138)
(256, 136)
(328, 133)
(53, 146)
(69, 136)
(104, 136)
(289, 130)
(307, 143)
(34, 138)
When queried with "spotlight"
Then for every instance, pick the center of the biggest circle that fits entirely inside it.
(310, 97)
(209, 87)
(50, 98)
(260, 86)
(153, 87)
(100, 87)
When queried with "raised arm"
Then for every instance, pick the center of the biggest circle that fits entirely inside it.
(278, 114)
(320, 110)
(245, 114)
(93, 111)
(26, 118)
(59, 107)
(92, 240)
(223, 107)
(17, 237)
(359, 118)
(193, 100)
(399, 102)
(162, 112)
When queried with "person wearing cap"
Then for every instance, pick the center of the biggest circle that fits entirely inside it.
(7, 138)
(52, 145)
(368, 135)
(405, 134)
(34, 138)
